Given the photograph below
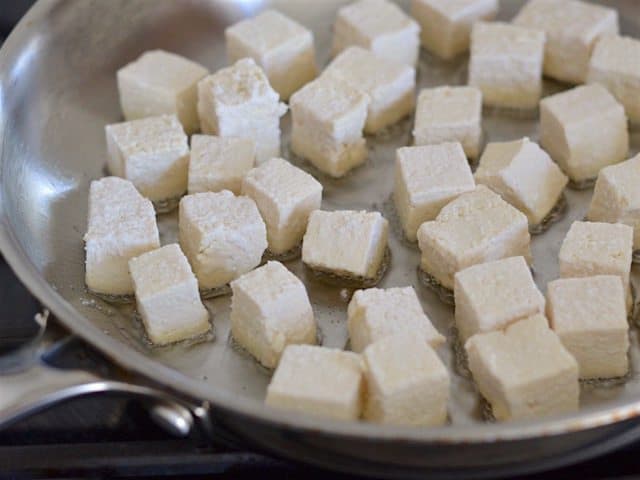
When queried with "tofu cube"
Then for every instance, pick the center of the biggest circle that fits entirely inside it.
(584, 130)
(281, 46)
(219, 163)
(449, 114)
(506, 64)
(445, 25)
(238, 101)
(153, 153)
(121, 225)
(572, 27)
(615, 63)
(379, 26)
(160, 82)
(426, 179)
(270, 309)
(616, 196)
(346, 242)
(222, 235)
(590, 317)
(476, 227)
(327, 119)
(388, 85)
(525, 371)
(407, 383)
(490, 296)
(318, 381)
(376, 313)
(285, 196)
(524, 175)
(167, 296)
(593, 248)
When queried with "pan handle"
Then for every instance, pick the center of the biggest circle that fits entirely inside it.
(29, 384)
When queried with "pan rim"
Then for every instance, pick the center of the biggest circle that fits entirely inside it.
(129, 359)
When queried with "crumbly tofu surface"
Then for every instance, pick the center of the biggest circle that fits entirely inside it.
(160, 82)
(327, 119)
(379, 26)
(377, 313)
(407, 383)
(318, 381)
(616, 196)
(449, 114)
(583, 129)
(153, 153)
(219, 163)
(280, 45)
(121, 225)
(426, 179)
(572, 27)
(238, 101)
(223, 236)
(285, 196)
(615, 63)
(389, 85)
(270, 309)
(490, 296)
(590, 317)
(506, 64)
(524, 175)
(524, 371)
(346, 242)
(445, 25)
(476, 227)
(167, 296)
(595, 248)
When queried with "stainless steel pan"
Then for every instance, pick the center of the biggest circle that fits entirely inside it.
(58, 90)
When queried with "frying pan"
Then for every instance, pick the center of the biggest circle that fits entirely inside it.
(58, 90)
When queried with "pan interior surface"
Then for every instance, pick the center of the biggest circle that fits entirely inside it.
(59, 91)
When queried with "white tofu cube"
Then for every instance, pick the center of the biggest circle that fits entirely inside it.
(490, 296)
(376, 313)
(476, 227)
(238, 101)
(167, 296)
(327, 119)
(281, 46)
(407, 383)
(593, 248)
(616, 196)
(285, 196)
(426, 179)
(524, 175)
(219, 163)
(572, 28)
(389, 85)
(506, 64)
(222, 235)
(270, 309)
(153, 153)
(160, 82)
(318, 381)
(524, 371)
(445, 25)
(590, 317)
(379, 26)
(449, 114)
(615, 63)
(584, 130)
(121, 225)
(346, 242)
